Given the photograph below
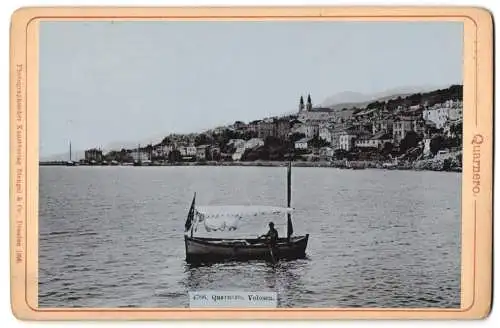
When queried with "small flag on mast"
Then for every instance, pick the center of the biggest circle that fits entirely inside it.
(289, 225)
(190, 217)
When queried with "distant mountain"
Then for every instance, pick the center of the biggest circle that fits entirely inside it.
(349, 99)
(363, 104)
(345, 97)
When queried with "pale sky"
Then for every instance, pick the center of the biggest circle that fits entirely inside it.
(106, 82)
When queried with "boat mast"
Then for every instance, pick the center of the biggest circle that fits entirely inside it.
(289, 225)
(70, 151)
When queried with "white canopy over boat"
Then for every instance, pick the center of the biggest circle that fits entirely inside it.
(239, 210)
(228, 217)
(223, 218)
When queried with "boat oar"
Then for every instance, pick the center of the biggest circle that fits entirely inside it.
(272, 254)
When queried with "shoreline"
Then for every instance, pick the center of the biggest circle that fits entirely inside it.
(355, 165)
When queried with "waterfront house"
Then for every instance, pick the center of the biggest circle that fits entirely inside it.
(427, 147)
(326, 153)
(201, 152)
(93, 154)
(365, 141)
(187, 152)
(347, 139)
(302, 143)
(140, 156)
(376, 141)
(215, 153)
(336, 133)
(325, 133)
(241, 147)
(236, 156)
(161, 151)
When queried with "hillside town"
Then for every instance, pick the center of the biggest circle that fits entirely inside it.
(420, 131)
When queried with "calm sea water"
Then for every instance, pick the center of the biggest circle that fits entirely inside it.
(113, 236)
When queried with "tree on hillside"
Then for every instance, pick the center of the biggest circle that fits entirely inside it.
(202, 139)
(271, 141)
(296, 137)
(317, 142)
(260, 153)
(375, 104)
(437, 144)
(166, 141)
(387, 148)
(411, 140)
(456, 130)
(340, 154)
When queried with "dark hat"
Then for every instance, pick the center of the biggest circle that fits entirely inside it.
(271, 224)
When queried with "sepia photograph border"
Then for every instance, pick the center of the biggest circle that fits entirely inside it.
(477, 174)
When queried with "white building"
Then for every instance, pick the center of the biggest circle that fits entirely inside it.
(236, 156)
(456, 113)
(366, 142)
(382, 125)
(201, 152)
(326, 153)
(376, 141)
(310, 130)
(242, 145)
(401, 127)
(187, 151)
(438, 116)
(427, 147)
(325, 133)
(237, 143)
(140, 156)
(302, 143)
(162, 150)
(254, 143)
(346, 140)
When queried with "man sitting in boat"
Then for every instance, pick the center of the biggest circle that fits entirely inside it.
(271, 235)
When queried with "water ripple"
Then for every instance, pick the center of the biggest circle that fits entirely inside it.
(112, 237)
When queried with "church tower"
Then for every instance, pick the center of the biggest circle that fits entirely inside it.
(309, 103)
(301, 104)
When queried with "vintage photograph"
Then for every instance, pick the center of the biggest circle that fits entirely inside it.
(317, 160)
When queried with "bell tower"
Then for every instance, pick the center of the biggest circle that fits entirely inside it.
(309, 103)
(301, 104)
